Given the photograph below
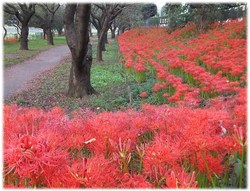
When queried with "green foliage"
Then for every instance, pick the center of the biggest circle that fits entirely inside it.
(149, 10)
(184, 13)
(84, 152)
(140, 77)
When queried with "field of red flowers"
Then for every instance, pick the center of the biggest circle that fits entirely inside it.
(184, 146)
(189, 67)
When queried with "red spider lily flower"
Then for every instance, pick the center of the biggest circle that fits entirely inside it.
(240, 135)
(135, 181)
(143, 94)
(31, 157)
(181, 180)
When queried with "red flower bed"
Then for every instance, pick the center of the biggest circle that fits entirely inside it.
(156, 147)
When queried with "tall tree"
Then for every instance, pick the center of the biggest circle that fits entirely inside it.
(148, 10)
(58, 20)
(76, 22)
(171, 10)
(44, 18)
(23, 13)
(202, 15)
(102, 16)
(177, 14)
(130, 17)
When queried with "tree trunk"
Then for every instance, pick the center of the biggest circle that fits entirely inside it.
(5, 32)
(112, 33)
(103, 46)
(99, 50)
(113, 28)
(90, 31)
(59, 31)
(122, 30)
(44, 34)
(170, 17)
(202, 19)
(106, 38)
(100, 44)
(104, 42)
(50, 39)
(24, 37)
(76, 22)
(79, 81)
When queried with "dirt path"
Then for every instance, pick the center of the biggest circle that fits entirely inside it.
(16, 77)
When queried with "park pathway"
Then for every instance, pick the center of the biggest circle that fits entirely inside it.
(16, 77)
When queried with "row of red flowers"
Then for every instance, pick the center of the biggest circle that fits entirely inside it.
(212, 63)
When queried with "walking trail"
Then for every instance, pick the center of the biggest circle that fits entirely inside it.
(17, 76)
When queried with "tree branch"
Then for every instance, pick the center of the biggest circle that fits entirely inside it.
(8, 7)
(100, 6)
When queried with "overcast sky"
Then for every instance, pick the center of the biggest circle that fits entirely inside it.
(159, 5)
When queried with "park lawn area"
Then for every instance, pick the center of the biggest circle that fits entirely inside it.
(108, 78)
(12, 54)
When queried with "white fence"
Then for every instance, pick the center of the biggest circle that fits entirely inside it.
(34, 33)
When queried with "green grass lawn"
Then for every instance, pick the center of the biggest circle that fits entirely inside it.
(12, 54)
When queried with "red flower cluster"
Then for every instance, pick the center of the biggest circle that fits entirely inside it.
(143, 94)
(156, 147)
(10, 40)
(212, 63)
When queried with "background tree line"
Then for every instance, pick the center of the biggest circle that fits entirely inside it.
(201, 14)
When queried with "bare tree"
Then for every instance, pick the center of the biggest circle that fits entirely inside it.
(102, 16)
(58, 20)
(76, 22)
(23, 13)
(130, 17)
(44, 18)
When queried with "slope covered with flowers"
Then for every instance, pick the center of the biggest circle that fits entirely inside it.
(189, 67)
(157, 146)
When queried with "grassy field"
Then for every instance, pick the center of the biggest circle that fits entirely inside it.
(12, 54)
